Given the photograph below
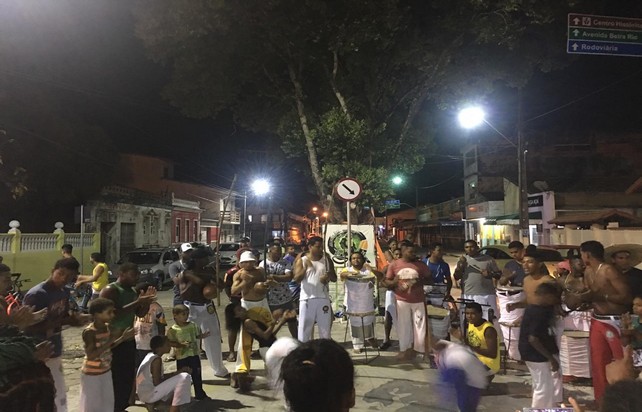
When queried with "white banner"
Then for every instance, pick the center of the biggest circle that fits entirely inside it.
(336, 242)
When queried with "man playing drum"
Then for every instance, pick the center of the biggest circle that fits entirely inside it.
(360, 280)
(511, 290)
(407, 276)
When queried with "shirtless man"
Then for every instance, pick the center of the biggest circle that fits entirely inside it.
(251, 282)
(535, 274)
(610, 297)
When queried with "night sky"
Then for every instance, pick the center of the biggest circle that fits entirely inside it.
(86, 54)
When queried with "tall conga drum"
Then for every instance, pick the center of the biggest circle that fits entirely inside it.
(508, 321)
(435, 294)
(439, 319)
(360, 299)
(575, 355)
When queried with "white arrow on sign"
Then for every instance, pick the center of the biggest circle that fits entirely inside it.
(574, 46)
(576, 32)
(576, 21)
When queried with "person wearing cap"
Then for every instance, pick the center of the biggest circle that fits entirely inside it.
(244, 246)
(407, 277)
(179, 266)
(314, 271)
(192, 281)
(252, 283)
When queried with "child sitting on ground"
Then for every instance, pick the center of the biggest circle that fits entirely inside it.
(152, 385)
(184, 336)
(96, 387)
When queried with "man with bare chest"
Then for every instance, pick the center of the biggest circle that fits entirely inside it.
(609, 295)
(537, 274)
(251, 282)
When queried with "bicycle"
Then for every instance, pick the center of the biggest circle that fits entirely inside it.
(15, 296)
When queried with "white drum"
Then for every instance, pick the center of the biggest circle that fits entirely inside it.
(360, 299)
(435, 294)
(578, 320)
(575, 356)
(439, 319)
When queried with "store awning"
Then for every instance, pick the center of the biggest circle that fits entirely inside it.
(534, 218)
(600, 216)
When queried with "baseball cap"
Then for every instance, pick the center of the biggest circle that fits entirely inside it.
(186, 246)
(247, 256)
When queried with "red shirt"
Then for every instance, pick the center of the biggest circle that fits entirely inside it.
(416, 292)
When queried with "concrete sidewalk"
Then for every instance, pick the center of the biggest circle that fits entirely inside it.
(384, 384)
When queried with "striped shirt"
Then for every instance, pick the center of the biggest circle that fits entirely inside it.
(102, 363)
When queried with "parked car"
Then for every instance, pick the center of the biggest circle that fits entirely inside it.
(550, 256)
(227, 253)
(153, 264)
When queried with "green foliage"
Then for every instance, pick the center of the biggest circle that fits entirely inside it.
(364, 69)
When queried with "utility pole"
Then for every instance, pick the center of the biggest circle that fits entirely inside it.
(522, 178)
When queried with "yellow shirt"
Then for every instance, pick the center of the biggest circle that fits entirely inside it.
(103, 280)
(476, 339)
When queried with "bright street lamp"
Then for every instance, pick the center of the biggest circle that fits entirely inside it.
(397, 180)
(261, 187)
(472, 117)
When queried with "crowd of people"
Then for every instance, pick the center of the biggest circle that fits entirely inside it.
(126, 336)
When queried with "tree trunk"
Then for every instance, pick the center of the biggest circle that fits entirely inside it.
(333, 83)
(309, 144)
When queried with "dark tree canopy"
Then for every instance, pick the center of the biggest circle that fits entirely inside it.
(343, 83)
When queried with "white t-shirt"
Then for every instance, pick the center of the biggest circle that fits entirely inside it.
(144, 381)
(456, 356)
(147, 326)
(311, 286)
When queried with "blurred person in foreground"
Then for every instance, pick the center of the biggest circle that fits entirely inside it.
(318, 376)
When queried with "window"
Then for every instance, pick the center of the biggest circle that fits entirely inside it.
(249, 218)
(195, 231)
(263, 218)
(187, 229)
(177, 231)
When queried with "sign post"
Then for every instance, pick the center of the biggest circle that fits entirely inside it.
(604, 35)
(348, 190)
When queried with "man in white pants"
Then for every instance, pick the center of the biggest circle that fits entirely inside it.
(314, 270)
(511, 290)
(407, 276)
(201, 309)
(359, 297)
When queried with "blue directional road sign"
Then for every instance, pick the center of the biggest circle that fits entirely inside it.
(616, 36)
(393, 204)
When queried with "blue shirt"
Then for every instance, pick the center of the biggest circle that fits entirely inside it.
(45, 295)
(440, 271)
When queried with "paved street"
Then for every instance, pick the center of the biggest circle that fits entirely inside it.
(382, 385)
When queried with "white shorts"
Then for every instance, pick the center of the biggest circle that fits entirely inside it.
(311, 311)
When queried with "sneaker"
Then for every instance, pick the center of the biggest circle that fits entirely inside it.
(385, 346)
(202, 397)
(357, 351)
(231, 357)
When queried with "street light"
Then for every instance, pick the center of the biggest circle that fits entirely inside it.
(472, 117)
(262, 187)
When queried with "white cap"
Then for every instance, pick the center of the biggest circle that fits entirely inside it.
(247, 256)
(186, 246)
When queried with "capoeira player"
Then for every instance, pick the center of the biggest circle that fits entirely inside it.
(252, 283)
(314, 272)
(610, 297)
(360, 281)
